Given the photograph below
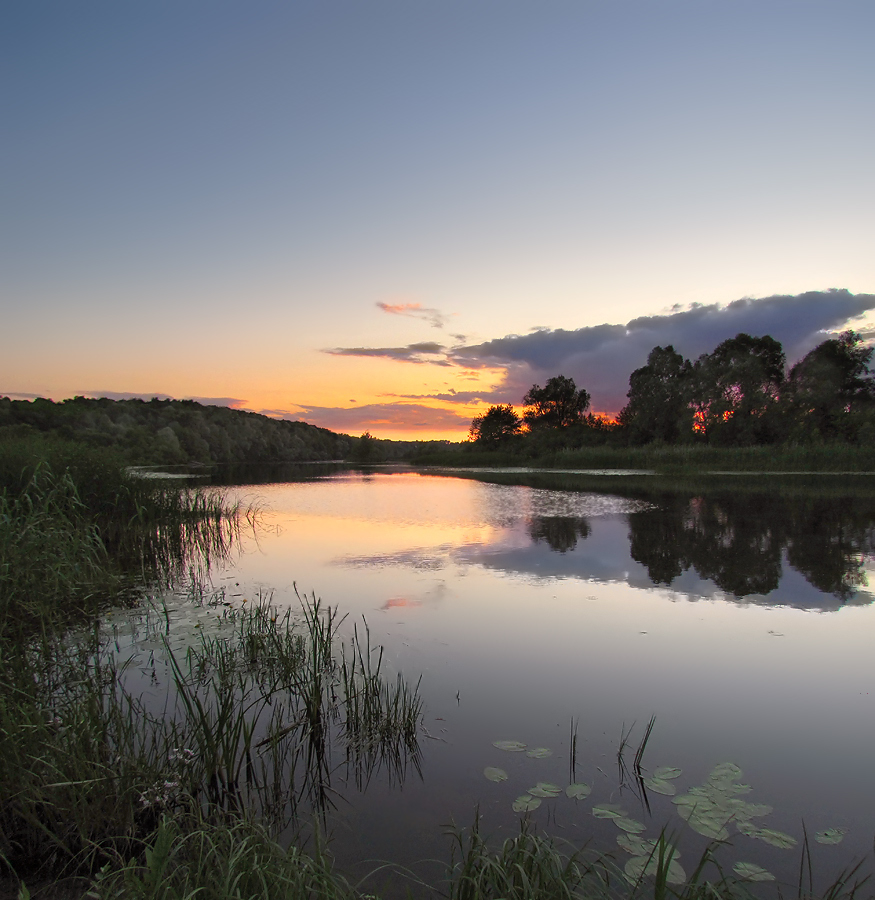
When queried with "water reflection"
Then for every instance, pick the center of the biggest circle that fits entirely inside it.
(736, 539)
(742, 542)
(561, 533)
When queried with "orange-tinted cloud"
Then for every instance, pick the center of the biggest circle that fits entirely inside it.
(434, 317)
(385, 417)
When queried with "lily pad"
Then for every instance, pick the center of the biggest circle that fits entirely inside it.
(578, 791)
(510, 746)
(667, 773)
(545, 789)
(660, 786)
(495, 774)
(709, 827)
(525, 803)
(608, 811)
(639, 866)
(750, 872)
(725, 772)
(830, 835)
(635, 845)
(539, 752)
(775, 838)
(628, 824)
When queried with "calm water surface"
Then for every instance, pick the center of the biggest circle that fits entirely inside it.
(738, 612)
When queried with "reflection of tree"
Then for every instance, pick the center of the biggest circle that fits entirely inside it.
(738, 540)
(561, 533)
(828, 552)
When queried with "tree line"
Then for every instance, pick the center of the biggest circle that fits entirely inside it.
(740, 394)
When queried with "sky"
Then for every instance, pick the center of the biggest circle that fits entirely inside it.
(386, 215)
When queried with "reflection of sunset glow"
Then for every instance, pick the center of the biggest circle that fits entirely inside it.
(404, 602)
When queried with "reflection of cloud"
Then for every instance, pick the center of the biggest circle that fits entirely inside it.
(402, 602)
(433, 316)
(601, 357)
(413, 353)
(430, 559)
(373, 416)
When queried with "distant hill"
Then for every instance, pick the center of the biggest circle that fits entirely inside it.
(172, 432)
(175, 431)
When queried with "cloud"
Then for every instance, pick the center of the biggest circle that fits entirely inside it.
(601, 357)
(413, 353)
(377, 417)
(416, 310)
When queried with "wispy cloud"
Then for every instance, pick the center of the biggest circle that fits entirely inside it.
(423, 352)
(601, 357)
(434, 317)
(410, 417)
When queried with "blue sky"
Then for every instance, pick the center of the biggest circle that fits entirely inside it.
(271, 203)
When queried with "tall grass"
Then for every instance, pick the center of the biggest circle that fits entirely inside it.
(76, 529)
(250, 724)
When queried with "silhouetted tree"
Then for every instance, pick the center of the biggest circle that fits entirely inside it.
(559, 404)
(495, 426)
(830, 386)
(735, 391)
(658, 407)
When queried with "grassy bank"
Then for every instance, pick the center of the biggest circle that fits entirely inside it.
(168, 765)
(672, 459)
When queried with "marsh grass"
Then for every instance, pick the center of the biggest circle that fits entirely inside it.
(252, 723)
(77, 532)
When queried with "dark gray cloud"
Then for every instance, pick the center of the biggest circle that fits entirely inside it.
(601, 357)
(423, 352)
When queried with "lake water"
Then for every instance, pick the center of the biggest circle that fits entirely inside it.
(736, 611)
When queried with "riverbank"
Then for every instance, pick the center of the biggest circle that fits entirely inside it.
(672, 459)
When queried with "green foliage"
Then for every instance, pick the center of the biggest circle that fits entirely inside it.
(658, 407)
(167, 432)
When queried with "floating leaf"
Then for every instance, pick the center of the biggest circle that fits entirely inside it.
(628, 824)
(525, 803)
(830, 835)
(510, 746)
(607, 811)
(578, 791)
(539, 752)
(545, 789)
(635, 845)
(751, 872)
(775, 838)
(751, 810)
(639, 866)
(709, 827)
(667, 773)
(660, 786)
(747, 828)
(494, 774)
(725, 772)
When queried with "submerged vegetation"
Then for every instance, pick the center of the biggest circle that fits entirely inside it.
(169, 762)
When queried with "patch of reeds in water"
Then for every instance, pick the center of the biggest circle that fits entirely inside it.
(249, 725)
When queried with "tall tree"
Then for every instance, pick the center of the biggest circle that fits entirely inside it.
(830, 386)
(736, 390)
(558, 404)
(495, 426)
(658, 407)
